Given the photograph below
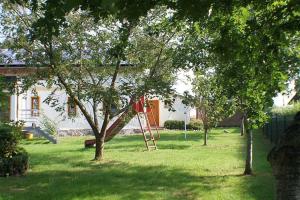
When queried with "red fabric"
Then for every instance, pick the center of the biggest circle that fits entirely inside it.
(139, 106)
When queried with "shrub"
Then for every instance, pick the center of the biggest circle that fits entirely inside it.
(289, 110)
(9, 139)
(174, 124)
(13, 160)
(179, 125)
(195, 125)
(49, 125)
(15, 165)
(8, 143)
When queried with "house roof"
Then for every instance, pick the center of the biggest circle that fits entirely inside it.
(11, 66)
(8, 59)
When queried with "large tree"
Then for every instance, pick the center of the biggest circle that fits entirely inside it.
(108, 64)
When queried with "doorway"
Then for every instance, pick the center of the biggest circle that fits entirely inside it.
(153, 112)
(5, 108)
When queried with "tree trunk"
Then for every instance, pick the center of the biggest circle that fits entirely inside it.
(99, 152)
(248, 165)
(243, 126)
(205, 137)
(100, 138)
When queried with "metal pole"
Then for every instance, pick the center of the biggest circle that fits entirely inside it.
(185, 121)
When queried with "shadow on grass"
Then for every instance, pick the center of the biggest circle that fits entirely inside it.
(101, 181)
(111, 180)
(35, 140)
(117, 180)
(171, 140)
(262, 172)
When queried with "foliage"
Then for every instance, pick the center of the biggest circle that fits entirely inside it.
(13, 159)
(8, 142)
(10, 135)
(179, 125)
(48, 124)
(174, 124)
(289, 110)
(15, 165)
(5, 85)
(209, 99)
(195, 124)
(110, 62)
(253, 62)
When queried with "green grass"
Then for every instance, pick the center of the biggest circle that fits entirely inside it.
(180, 169)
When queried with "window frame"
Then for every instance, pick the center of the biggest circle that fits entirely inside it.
(33, 114)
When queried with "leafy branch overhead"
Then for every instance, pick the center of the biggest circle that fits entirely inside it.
(102, 65)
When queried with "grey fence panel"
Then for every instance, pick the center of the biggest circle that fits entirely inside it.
(275, 127)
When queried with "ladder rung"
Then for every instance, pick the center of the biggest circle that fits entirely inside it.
(151, 139)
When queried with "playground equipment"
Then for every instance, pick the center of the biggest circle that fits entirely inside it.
(137, 109)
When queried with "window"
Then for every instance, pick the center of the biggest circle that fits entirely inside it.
(72, 111)
(35, 106)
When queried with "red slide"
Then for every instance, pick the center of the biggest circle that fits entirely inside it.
(117, 126)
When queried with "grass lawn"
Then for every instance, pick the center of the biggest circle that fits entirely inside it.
(180, 169)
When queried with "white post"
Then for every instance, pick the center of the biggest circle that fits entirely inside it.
(13, 107)
(185, 121)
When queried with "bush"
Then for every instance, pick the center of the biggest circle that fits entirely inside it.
(9, 139)
(13, 160)
(195, 125)
(174, 124)
(15, 165)
(49, 125)
(179, 125)
(289, 110)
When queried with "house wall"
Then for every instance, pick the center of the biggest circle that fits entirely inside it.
(79, 122)
(61, 118)
(283, 98)
(233, 121)
(181, 112)
(23, 111)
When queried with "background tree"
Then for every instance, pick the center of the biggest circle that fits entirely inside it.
(251, 63)
(251, 66)
(210, 101)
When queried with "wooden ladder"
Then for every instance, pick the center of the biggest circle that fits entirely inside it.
(148, 138)
(151, 137)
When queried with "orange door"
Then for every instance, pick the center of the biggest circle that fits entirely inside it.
(153, 112)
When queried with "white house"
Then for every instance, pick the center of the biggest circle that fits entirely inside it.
(282, 99)
(31, 108)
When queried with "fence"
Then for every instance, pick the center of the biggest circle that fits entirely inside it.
(275, 127)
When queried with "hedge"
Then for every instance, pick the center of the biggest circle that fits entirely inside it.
(174, 124)
(179, 125)
(289, 110)
(13, 160)
(16, 165)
